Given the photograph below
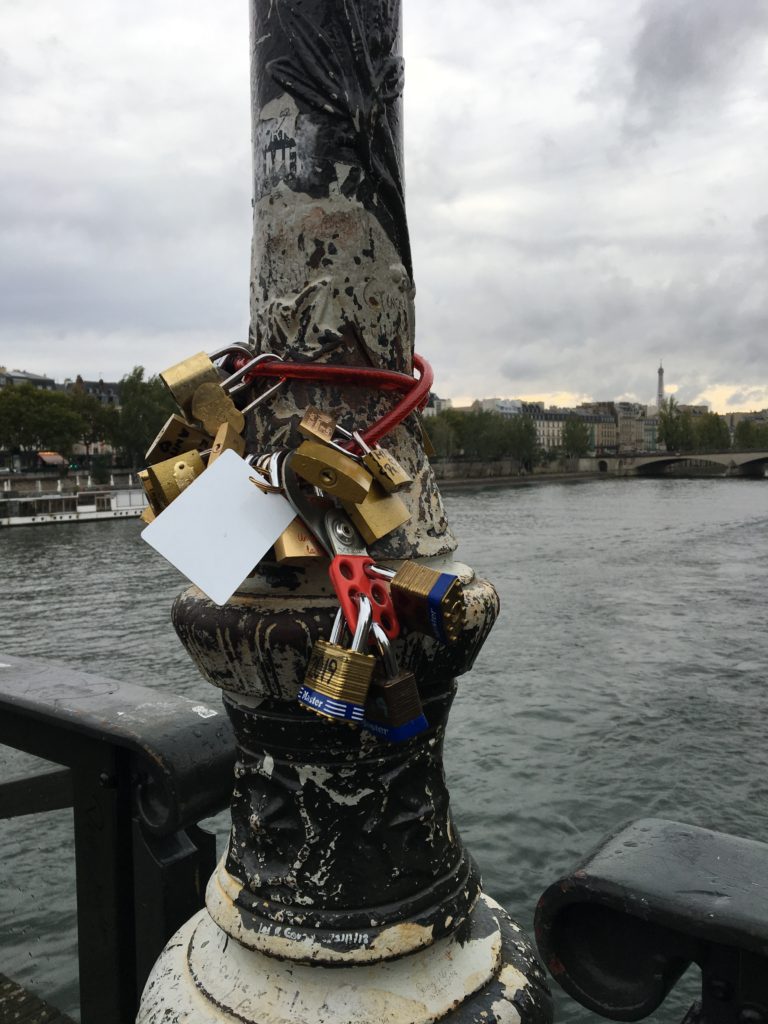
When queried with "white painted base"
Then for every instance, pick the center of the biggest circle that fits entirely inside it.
(205, 977)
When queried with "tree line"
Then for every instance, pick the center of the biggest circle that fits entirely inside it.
(32, 419)
(680, 431)
(490, 436)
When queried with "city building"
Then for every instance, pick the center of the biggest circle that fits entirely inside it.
(108, 393)
(11, 378)
(436, 405)
(503, 406)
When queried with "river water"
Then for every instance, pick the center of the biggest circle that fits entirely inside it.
(625, 678)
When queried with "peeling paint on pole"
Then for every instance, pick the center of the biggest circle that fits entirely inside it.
(345, 893)
(331, 257)
(485, 973)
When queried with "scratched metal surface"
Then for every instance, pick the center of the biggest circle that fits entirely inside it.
(625, 678)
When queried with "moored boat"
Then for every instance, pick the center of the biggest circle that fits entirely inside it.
(39, 509)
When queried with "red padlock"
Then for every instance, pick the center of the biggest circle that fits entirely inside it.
(350, 579)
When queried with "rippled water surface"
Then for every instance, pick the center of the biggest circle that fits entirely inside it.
(625, 678)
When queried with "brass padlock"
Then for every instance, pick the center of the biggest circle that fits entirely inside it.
(393, 708)
(176, 437)
(337, 474)
(377, 514)
(296, 544)
(338, 677)
(183, 379)
(155, 507)
(168, 479)
(316, 425)
(226, 439)
(383, 466)
(212, 406)
(427, 600)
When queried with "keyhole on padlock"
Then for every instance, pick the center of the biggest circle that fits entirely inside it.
(328, 476)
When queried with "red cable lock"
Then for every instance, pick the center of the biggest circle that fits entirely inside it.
(350, 579)
(416, 392)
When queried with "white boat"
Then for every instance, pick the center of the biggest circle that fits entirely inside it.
(38, 509)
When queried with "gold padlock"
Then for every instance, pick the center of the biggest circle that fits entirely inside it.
(168, 479)
(183, 379)
(337, 679)
(429, 601)
(316, 425)
(154, 502)
(148, 516)
(212, 406)
(377, 514)
(334, 473)
(176, 437)
(296, 544)
(383, 466)
(226, 440)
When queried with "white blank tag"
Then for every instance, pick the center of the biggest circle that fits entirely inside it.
(220, 526)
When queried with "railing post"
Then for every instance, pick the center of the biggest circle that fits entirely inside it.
(343, 853)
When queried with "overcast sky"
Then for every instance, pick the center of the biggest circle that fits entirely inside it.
(587, 186)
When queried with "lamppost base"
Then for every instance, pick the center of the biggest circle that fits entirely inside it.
(485, 973)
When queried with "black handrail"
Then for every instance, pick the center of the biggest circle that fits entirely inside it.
(141, 769)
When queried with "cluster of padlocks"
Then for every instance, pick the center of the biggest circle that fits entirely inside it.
(343, 495)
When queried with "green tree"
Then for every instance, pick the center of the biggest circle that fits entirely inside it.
(746, 436)
(483, 435)
(442, 435)
(669, 424)
(711, 433)
(575, 437)
(99, 421)
(686, 438)
(524, 441)
(32, 419)
(144, 406)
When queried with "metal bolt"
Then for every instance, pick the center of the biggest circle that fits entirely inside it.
(343, 531)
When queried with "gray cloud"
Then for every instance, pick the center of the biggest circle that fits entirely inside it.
(550, 254)
(688, 50)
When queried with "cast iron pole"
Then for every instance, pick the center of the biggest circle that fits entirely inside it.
(343, 853)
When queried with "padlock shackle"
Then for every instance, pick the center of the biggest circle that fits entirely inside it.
(264, 395)
(391, 668)
(364, 620)
(230, 350)
(380, 570)
(339, 624)
(233, 378)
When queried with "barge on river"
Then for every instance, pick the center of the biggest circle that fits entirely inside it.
(39, 509)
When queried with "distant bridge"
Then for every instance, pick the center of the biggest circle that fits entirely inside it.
(733, 463)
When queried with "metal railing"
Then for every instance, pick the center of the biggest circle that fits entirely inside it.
(139, 768)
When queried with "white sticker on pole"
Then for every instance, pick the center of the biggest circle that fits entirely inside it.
(220, 526)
